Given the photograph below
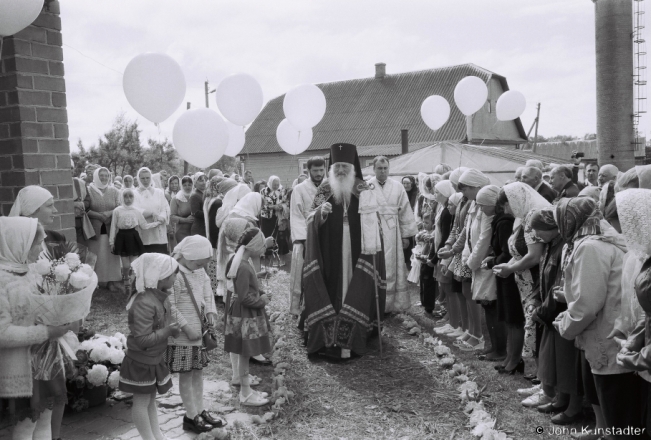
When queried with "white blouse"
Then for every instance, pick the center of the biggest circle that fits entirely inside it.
(153, 202)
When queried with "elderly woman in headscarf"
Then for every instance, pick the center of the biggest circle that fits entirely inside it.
(173, 186)
(592, 264)
(30, 401)
(196, 204)
(526, 248)
(117, 183)
(635, 214)
(498, 318)
(180, 211)
(451, 251)
(214, 200)
(127, 181)
(557, 357)
(37, 202)
(102, 200)
(475, 248)
(637, 177)
(484, 285)
(274, 198)
(154, 205)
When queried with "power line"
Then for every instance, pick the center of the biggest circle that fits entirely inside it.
(93, 59)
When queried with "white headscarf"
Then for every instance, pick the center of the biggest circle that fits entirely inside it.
(455, 199)
(644, 175)
(456, 173)
(249, 206)
(97, 184)
(634, 211)
(255, 245)
(141, 186)
(194, 247)
(16, 238)
(488, 195)
(122, 193)
(524, 199)
(229, 202)
(427, 193)
(271, 180)
(29, 200)
(196, 177)
(149, 270)
(181, 195)
(445, 188)
(474, 178)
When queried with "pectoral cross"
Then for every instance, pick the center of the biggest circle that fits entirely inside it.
(340, 147)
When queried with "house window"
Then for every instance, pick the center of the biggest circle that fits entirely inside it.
(302, 166)
(369, 162)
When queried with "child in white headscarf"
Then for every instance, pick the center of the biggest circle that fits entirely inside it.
(143, 371)
(247, 330)
(124, 238)
(186, 354)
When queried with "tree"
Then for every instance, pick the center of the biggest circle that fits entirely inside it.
(590, 136)
(161, 155)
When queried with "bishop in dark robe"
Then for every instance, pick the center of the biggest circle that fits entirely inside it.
(340, 310)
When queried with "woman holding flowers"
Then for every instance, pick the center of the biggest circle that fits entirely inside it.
(30, 401)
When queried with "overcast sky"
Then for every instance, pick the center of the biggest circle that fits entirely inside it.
(545, 49)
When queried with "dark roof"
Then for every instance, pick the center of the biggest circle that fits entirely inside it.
(388, 150)
(372, 111)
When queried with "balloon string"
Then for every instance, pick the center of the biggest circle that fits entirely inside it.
(1, 41)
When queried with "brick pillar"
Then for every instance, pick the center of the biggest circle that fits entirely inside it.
(34, 147)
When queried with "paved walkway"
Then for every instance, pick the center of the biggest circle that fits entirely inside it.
(112, 421)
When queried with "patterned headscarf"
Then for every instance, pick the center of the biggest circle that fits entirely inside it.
(523, 199)
(576, 218)
(543, 219)
(423, 182)
(634, 211)
(413, 194)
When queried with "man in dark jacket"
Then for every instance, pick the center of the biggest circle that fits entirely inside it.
(562, 183)
(533, 177)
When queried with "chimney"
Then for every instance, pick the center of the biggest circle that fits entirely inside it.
(380, 70)
(404, 135)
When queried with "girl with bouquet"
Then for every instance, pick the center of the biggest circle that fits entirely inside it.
(144, 371)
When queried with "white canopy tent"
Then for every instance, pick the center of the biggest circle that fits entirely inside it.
(499, 164)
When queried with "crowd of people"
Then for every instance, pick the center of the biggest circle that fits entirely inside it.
(557, 269)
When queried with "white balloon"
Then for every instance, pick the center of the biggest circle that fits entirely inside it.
(154, 85)
(291, 139)
(239, 98)
(510, 105)
(200, 136)
(435, 111)
(304, 106)
(16, 15)
(236, 139)
(470, 95)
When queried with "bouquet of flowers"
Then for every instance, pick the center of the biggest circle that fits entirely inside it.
(65, 291)
(97, 363)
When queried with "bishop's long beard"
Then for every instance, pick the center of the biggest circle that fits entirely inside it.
(342, 187)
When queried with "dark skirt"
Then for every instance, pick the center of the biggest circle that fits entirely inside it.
(182, 358)
(428, 288)
(182, 231)
(268, 226)
(282, 238)
(509, 304)
(585, 379)
(622, 398)
(139, 378)
(128, 243)
(46, 394)
(247, 331)
(557, 362)
(156, 249)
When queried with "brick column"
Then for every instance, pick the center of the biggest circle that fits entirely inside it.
(34, 147)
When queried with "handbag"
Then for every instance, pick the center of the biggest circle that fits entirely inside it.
(209, 339)
(87, 227)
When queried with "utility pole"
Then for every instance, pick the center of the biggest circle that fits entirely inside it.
(535, 139)
(185, 163)
(207, 92)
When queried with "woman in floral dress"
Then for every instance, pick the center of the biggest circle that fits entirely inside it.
(526, 248)
(274, 196)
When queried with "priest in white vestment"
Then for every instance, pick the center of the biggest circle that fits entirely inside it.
(301, 205)
(398, 225)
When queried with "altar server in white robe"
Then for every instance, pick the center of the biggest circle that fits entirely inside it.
(398, 225)
(301, 204)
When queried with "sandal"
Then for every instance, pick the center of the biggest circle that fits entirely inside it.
(254, 380)
(253, 399)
